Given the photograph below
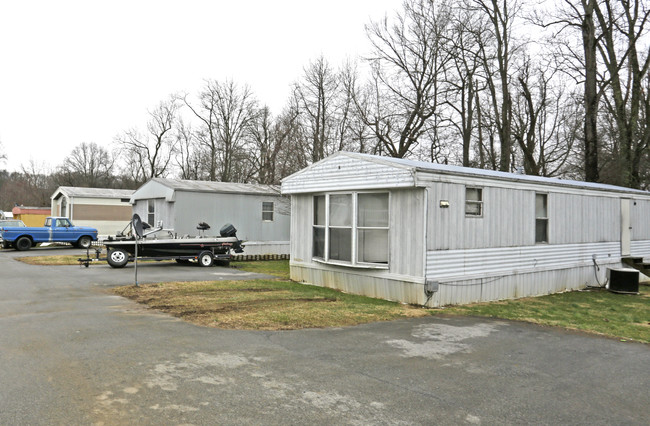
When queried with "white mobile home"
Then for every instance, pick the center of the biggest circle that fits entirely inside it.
(259, 212)
(106, 209)
(435, 235)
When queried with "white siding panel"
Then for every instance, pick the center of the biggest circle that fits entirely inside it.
(583, 219)
(382, 285)
(639, 219)
(508, 218)
(344, 173)
(516, 286)
(301, 227)
(490, 262)
(407, 232)
(640, 248)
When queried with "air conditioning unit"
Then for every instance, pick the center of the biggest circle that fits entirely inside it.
(623, 280)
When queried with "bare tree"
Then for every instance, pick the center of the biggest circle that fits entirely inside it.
(623, 24)
(225, 112)
(274, 138)
(540, 113)
(408, 61)
(495, 50)
(3, 156)
(88, 165)
(464, 86)
(580, 62)
(188, 159)
(149, 155)
(316, 97)
(36, 185)
(361, 137)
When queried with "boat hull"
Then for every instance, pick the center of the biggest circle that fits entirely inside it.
(176, 247)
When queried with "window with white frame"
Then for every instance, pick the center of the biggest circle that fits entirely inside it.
(351, 228)
(541, 218)
(151, 212)
(473, 202)
(318, 248)
(267, 211)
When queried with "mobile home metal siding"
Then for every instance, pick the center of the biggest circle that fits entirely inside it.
(344, 173)
(243, 211)
(494, 256)
(406, 254)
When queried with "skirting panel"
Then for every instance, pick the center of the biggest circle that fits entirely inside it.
(358, 283)
(458, 291)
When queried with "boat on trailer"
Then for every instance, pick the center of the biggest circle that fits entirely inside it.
(151, 246)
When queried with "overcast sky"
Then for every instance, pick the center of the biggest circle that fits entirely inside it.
(84, 71)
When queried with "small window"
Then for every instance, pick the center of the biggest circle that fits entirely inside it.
(340, 227)
(541, 218)
(474, 202)
(267, 211)
(318, 248)
(372, 228)
(151, 212)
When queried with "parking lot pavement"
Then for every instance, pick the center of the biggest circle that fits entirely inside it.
(71, 353)
(101, 273)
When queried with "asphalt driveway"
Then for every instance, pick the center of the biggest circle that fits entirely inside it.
(71, 353)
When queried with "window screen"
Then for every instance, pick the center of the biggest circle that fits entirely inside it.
(151, 212)
(473, 202)
(541, 218)
(267, 211)
(351, 228)
(318, 236)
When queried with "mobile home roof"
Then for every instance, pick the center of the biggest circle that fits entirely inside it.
(406, 174)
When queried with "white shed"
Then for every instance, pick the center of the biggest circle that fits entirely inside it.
(106, 209)
(259, 212)
(434, 235)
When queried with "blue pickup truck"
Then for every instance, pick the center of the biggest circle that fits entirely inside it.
(55, 230)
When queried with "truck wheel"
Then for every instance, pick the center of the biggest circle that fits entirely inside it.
(6, 244)
(23, 243)
(117, 258)
(206, 258)
(84, 242)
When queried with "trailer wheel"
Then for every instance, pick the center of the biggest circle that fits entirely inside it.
(117, 258)
(23, 243)
(206, 258)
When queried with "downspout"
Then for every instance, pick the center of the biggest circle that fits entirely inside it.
(428, 288)
(425, 227)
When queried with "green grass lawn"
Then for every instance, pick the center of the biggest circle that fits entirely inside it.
(601, 312)
(283, 304)
(265, 304)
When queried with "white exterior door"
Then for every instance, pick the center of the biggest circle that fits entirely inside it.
(626, 228)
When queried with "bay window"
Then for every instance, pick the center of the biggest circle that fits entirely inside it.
(351, 228)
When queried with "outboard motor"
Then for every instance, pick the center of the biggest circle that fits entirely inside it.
(228, 230)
